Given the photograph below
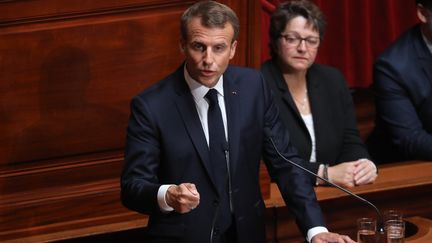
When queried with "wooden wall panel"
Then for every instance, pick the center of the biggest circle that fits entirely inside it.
(68, 70)
(14, 12)
(69, 83)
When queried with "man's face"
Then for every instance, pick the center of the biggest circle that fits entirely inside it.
(208, 51)
(425, 16)
(429, 23)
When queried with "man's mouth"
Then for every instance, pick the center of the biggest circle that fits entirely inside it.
(207, 72)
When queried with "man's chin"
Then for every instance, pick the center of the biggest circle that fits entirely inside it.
(208, 81)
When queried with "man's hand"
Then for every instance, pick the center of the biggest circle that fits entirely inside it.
(183, 198)
(328, 237)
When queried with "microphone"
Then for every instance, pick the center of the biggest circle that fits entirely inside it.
(268, 133)
(227, 160)
(225, 148)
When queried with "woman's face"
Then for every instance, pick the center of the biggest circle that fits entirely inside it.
(298, 45)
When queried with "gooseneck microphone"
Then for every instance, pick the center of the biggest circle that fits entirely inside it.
(227, 160)
(268, 133)
(225, 148)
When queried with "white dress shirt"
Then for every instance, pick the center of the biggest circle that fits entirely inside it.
(428, 43)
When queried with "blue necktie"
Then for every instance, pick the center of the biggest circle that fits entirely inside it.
(217, 147)
(217, 140)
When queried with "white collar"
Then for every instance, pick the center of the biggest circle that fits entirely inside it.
(428, 43)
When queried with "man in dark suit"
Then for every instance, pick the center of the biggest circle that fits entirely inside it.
(403, 85)
(170, 171)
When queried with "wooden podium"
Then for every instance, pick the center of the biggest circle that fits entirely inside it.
(405, 186)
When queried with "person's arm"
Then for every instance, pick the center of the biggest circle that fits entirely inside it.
(396, 109)
(182, 198)
(315, 231)
(162, 199)
(354, 166)
(295, 186)
(348, 148)
(294, 183)
(330, 237)
(352, 173)
(353, 148)
(139, 180)
(140, 188)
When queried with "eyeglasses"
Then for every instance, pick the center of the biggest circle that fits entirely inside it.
(294, 41)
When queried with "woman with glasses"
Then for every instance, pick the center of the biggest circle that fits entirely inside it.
(313, 99)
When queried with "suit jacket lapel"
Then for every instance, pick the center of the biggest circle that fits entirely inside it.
(231, 95)
(286, 95)
(187, 109)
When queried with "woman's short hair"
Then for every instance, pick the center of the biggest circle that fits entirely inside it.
(287, 11)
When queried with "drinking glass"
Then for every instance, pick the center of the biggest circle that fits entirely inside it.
(392, 214)
(366, 230)
(395, 230)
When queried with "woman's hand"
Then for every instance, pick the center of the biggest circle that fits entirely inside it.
(342, 174)
(353, 173)
(365, 172)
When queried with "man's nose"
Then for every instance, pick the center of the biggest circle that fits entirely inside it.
(208, 57)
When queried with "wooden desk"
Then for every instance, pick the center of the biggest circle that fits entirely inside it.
(424, 233)
(406, 186)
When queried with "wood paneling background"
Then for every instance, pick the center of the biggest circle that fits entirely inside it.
(68, 70)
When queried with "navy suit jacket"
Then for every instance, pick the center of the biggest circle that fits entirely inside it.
(166, 145)
(336, 133)
(403, 86)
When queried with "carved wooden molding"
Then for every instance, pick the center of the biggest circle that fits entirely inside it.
(95, 11)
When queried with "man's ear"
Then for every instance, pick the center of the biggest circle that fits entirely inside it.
(233, 49)
(182, 45)
(422, 13)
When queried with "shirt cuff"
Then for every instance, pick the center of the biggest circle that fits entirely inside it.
(164, 207)
(314, 231)
(318, 180)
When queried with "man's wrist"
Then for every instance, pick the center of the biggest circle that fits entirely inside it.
(161, 198)
(314, 231)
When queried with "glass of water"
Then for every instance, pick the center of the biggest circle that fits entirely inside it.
(395, 230)
(366, 230)
(392, 214)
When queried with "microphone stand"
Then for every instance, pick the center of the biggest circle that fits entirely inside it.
(380, 221)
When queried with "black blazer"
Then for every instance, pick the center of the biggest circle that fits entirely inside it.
(166, 145)
(403, 86)
(336, 133)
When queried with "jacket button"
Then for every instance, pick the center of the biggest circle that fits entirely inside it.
(215, 202)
